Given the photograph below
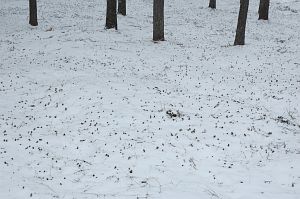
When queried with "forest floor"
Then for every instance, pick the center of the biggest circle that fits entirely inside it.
(92, 113)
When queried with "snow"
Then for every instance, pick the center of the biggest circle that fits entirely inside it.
(92, 113)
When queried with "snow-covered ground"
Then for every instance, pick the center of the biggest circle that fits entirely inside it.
(93, 113)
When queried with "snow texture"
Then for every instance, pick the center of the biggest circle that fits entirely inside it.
(92, 113)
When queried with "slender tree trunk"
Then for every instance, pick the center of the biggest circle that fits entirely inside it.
(241, 26)
(111, 14)
(263, 10)
(122, 7)
(158, 20)
(33, 13)
(212, 4)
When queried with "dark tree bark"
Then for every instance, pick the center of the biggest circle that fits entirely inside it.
(111, 14)
(158, 20)
(263, 10)
(122, 7)
(212, 4)
(33, 13)
(242, 20)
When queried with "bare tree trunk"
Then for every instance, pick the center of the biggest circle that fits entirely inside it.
(122, 7)
(242, 20)
(263, 10)
(158, 20)
(33, 13)
(212, 4)
(111, 14)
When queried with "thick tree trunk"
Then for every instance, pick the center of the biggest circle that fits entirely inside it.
(212, 4)
(158, 20)
(241, 26)
(111, 14)
(122, 7)
(263, 10)
(33, 13)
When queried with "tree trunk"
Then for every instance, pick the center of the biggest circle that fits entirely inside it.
(111, 14)
(264, 9)
(33, 13)
(158, 20)
(122, 7)
(212, 4)
(241, 26)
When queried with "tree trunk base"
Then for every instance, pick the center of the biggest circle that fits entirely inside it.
(263, 10)
(242, 20)
(122, 7)
(111, 15)
(212, 4)
(158, 20)
(33, 13)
